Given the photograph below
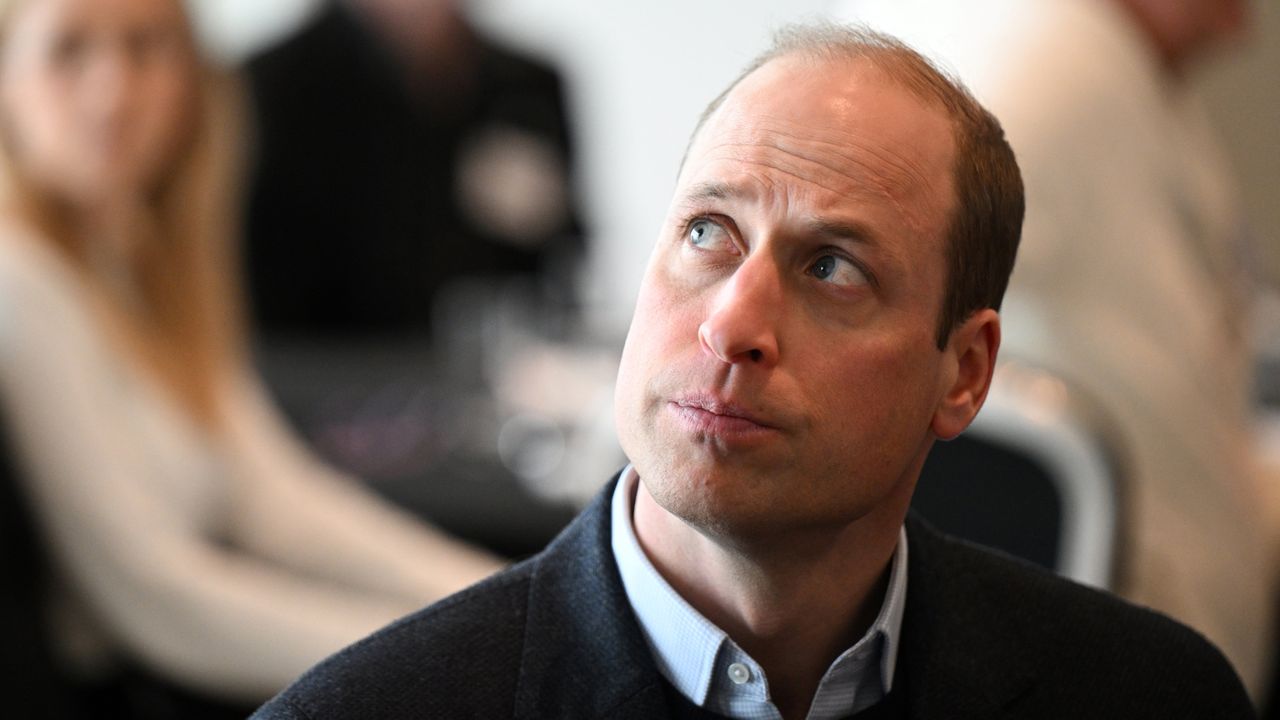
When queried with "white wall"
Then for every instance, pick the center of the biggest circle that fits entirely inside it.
(232, 29)
(641, 73)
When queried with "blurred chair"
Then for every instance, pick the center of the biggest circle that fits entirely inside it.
(1038, 475)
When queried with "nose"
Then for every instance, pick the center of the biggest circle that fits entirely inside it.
(108, 83)
(742, 326)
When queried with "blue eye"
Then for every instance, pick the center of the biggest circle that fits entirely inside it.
(708, 235)
(838, 271)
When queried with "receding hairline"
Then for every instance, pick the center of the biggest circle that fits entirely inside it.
(826, 42)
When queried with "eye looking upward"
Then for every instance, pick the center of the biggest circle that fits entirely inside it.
(709, 235)
(838, 270)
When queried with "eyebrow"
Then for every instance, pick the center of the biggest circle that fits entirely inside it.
(853, 232)
(714, 191)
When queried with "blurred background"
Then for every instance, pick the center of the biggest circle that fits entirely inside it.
(638, 77)
(434, 233)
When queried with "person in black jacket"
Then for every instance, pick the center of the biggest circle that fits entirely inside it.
(399, 150)
(820, 307)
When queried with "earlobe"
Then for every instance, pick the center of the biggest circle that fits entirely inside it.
(971, 352)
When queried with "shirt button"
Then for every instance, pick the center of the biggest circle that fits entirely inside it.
(739, 673)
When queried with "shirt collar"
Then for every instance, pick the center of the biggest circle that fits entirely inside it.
(697, 657)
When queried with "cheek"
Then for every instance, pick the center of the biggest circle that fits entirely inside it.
(165, 113)
(39, 125)
(882, 395)
(171, 97)
(31, 101)
(666, 319)
(663, 330)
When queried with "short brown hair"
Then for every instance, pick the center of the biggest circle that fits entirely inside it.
(986, 221)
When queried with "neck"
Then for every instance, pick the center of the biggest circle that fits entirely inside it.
(112, 230)
(794, 604)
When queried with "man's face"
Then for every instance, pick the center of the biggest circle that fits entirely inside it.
(781, 370)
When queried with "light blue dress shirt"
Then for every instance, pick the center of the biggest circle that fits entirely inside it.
(709, 668)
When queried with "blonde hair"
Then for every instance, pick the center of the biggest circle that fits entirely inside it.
(184, 327)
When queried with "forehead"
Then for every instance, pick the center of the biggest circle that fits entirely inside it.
(99, 13)
(832, 136)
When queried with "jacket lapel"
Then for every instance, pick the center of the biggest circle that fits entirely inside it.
(584, 655)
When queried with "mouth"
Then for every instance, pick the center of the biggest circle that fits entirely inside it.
(711, 416)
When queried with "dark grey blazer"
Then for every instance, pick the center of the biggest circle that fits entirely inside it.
(984, 637)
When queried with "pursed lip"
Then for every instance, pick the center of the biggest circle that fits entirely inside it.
(708, 413)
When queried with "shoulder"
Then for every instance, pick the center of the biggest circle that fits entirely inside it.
(319, 35)
(510, 64)
(1073, 639)
(31, 269)
(40, 296)
(541, 634)
(330, 53)
(459, 655)
(24, 254)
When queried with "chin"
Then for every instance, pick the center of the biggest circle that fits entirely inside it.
(745, 505)
(713, 497)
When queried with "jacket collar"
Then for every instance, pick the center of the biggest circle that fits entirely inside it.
(584, 654)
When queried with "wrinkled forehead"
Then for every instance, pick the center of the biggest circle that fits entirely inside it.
(832, 128)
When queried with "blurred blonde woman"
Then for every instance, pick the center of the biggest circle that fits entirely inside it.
(192, 536)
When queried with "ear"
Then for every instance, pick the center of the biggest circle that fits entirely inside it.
(969, 360)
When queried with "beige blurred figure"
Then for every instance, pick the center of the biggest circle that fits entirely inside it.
(192, 534)
(1132, 277)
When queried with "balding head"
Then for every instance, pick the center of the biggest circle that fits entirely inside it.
(986, 218)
